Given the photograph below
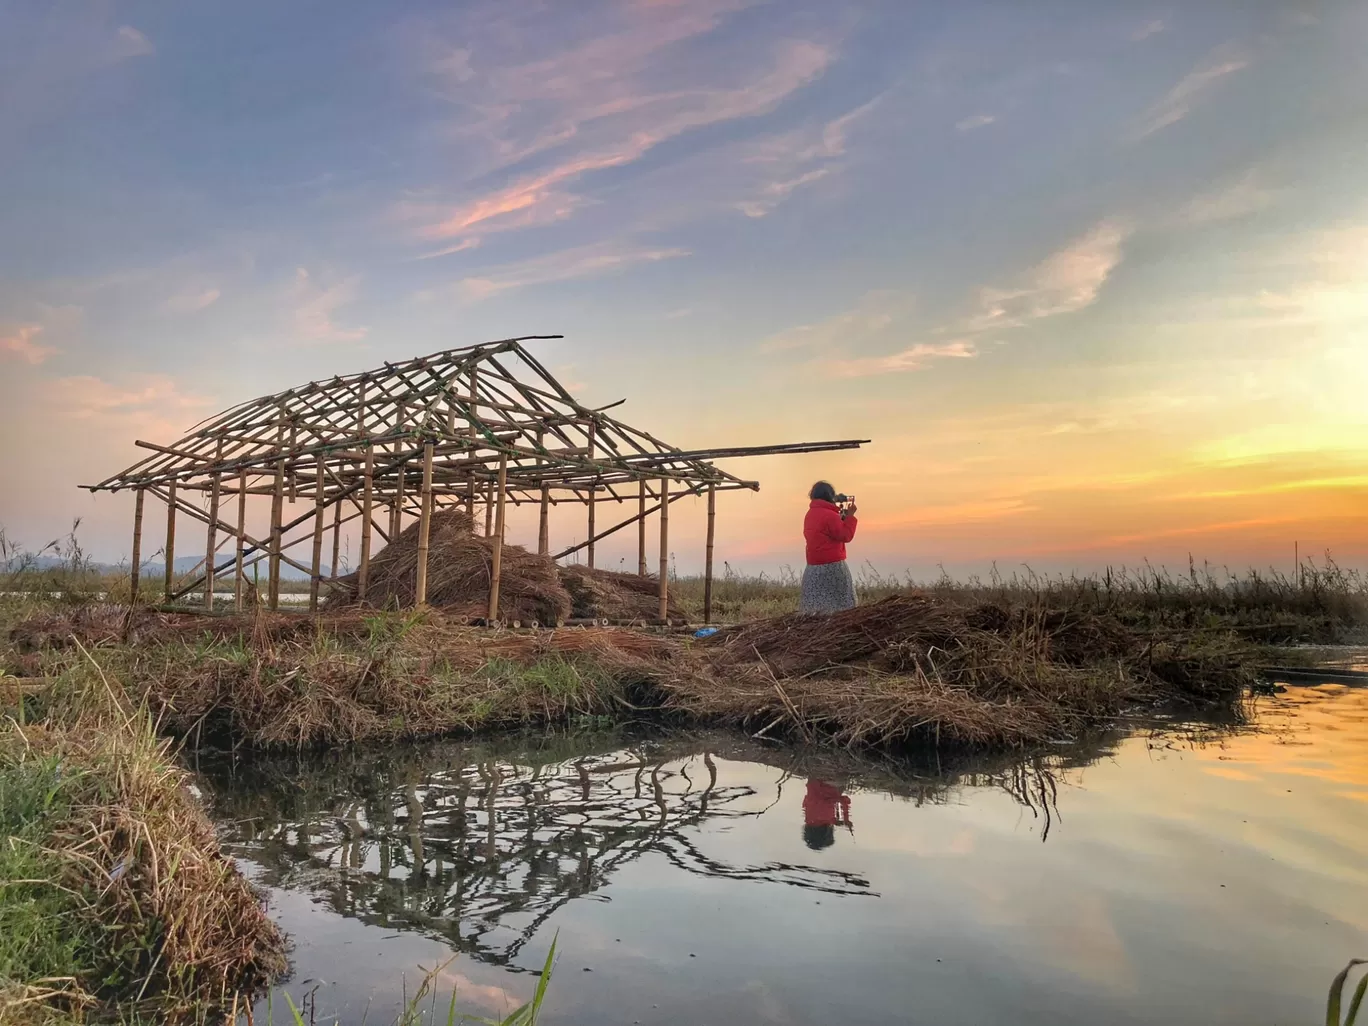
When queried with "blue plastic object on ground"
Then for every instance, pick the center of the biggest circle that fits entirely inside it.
(705, 632)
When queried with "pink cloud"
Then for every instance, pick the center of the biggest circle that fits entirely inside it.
(21, 345)
(910, 359)
(603, 103)
(579, 262)
(316, 307)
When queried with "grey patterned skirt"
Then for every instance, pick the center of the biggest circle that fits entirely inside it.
(827, 588)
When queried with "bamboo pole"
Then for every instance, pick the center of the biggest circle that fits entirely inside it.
(170, 550)
(664, 548)
(211, 545)
(337, 540)
(589, 555)
(496, 563)
(641, 528)
(708, 554)
(277, 511)
(424, 527)
(316, 565)
(544, 524)
(397, 507)
(135, 571)
(592, 506)
(367, 494)
(489, 498)
(241, 543)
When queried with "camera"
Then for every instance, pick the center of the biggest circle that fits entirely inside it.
(844, 503)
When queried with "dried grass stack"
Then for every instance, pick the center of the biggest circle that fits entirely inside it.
(459, 570)
(614, 596)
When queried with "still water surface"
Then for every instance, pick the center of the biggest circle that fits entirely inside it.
(1166, 875)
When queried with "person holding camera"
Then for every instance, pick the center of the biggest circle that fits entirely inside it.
(828, 586)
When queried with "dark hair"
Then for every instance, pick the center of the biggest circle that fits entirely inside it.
(823, 490)
(819, 837)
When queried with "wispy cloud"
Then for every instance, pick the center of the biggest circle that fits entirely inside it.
(976, 121)
(129, 42)
(598, 104)
(1177, 103)
(580, 262)
(1246, 195)
(19, 344)
(875, 312)
(799, 158)
(191, 302)
(134, 406)
(912, 358)
(315, 308)
(1150, 28)
(1065, 282)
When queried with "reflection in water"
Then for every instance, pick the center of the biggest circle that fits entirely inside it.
(1193, 875)
(825, 807)
(480, 848)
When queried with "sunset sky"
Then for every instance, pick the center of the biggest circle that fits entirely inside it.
(1093, 277)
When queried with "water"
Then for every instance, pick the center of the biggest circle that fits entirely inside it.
(1174, 875)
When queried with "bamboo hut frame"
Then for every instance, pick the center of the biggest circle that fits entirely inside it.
(486, 421)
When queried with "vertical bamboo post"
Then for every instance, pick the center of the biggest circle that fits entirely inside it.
(211, 542)
(424, 526)
(397, 510)
(489, 503)
(708, 554)
(241, 533)
(337, 540)
(664, 549)
(294, 474)
(641, 528)
(277, 509)
(170, 550)
(135, 571)
(593, 505)
(367, 498)
(544, 522)
(496, 563)
(316, 566)
(470, 480)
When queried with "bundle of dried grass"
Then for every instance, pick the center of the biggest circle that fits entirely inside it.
(459, 570)
(609, 595)
(170, 926)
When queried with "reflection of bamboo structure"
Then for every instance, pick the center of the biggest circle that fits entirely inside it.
(483, 854)
(479, 849)
(484, 420)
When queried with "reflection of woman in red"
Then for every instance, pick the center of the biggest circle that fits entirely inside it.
(824, 806)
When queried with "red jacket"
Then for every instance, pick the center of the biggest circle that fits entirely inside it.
(826, 533)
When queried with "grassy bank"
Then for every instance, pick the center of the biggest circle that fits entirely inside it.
(907, 668)
(115, 900)
(1322, 603)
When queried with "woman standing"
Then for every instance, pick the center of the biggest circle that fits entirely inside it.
(827, 584)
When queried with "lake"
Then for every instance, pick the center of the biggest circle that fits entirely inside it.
(1168, 873)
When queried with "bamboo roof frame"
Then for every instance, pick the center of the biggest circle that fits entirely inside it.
(464, 421)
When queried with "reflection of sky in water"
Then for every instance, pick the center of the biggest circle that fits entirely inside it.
(1218, 883)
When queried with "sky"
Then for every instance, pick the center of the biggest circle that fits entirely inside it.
(1092, 277)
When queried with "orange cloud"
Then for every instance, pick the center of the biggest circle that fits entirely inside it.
(20, 344)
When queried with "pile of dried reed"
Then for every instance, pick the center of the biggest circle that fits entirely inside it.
(615, 596)
(459, 570)
(163, 922)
